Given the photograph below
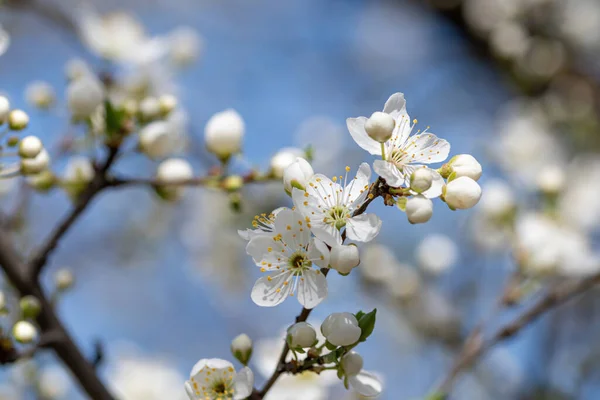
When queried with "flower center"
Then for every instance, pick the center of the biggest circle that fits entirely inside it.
(221, 389)
(397, 158)
(337, 216)
(299, 262)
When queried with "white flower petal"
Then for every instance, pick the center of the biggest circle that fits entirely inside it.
(388, 171)
(312, 288)
(426, 148)
(363, 228)
(258, 248)
(395, 105)
(358, 189)
(243, 383)
(436, 186)
(366, 384)
(190, 391)
(326, 232)
(356, 126)
(265, 292)
(318, 251)
(292, 227)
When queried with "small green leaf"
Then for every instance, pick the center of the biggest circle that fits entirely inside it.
(114, 119)
(436, 396)
(367, 324)
(329, 358)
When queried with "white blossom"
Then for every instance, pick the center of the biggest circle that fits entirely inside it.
(341, 329)
(54, 382)
(185, 45)
(288, 257)
(30, 147)
(403, 152)
(552, 179)
(149, 107)
(158, 140)
(18, 120)
(223, 133)
(344, 258)
(419, 209)
(216, 379)
(31, 166)
(79, 170)
(77, 68)
(263, 224)
(352, 363)
(329, 207)
(297, 174)
(462, 193)
(85, 95)
(25, 332)
(169, 173)
(283, 159)
(497, 199)
(302, 334)
(40, 94)
(436, 253)
(421, 180)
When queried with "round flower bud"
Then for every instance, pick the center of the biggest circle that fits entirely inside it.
(302, 334)
(31, 166)
(551, 179)
(42, 181)
(167, 103)
(462, 193)
(30, 307)
(77, 68)
(341, 329)
(25, 332)
(4, 109)
(173, 170)
(343, 258)
(186, 45)
(18, 120)
(40, 94)
(421, 180)
(79, 170)
(63, 279)
(156, 139)
(150, 108)
(465, 165)
(84, 96)
(241, 348)
(352, 363)
(498, 199)
(436, 254)
(297, 174)
(30, 147)
(419, 209)
(223, 133)
(233, 183)
(380, 126)
(282, 159)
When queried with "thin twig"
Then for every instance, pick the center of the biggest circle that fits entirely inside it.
(477, 346)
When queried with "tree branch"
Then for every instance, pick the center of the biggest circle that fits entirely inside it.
(476, 345)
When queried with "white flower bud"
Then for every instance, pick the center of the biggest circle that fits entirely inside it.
(25, 332)
(18, 120)
(297, 174)
(498, 199)
(4, 109)
(171, 171)
(283, 159)
(63, 279)
(167, 103)
(380, 126)
(186, 46)
(344, 258)
(31, 166)
(341, 329)
(419, 209)
(84, 96)
(42, 181)
(241, 348)
(30, 147)
(465, 165)
(223, 133)
(54, 382)
(462, 193)
(352, 363)
(551, 179)
(436, 254)
(421, 180)
(30, 307)
(156, 139)
(40, 94)
(150, 108)
(79, 170)
(77, 68)
(302, 334)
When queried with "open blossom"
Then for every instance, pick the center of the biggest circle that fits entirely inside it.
(216, 379)
(263, 224)
(289, 256)
(329, 207)
(403, 153)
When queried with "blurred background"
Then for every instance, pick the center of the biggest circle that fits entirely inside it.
(161, 285)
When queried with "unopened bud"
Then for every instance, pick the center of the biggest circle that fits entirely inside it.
(150, 108)
(233, 183)
(32, 166)
(352, 363)
(463, 165)
(380, 126)
(421, 180)
(63, 279)
(462, 193)
(223, 134)
(297, 175)
(30, 147)
(341, 329)
(18, 120)
(419, 209)
(241, 348)
(302, 335)
(30, 307)
(344, 258)
(167, 103)
(25, 332)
